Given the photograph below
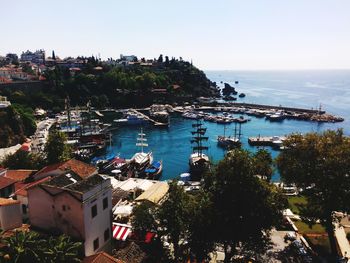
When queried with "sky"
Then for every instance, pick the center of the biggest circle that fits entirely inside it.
(220, 34)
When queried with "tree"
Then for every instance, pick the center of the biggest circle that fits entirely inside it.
(61, 249)
(21, 248)
(262, 163)
(244, 207)
(56, 148)
(160, 59)
(320, 162)
(23, 160)
(30, 247)
(173, 216)
(144, 218)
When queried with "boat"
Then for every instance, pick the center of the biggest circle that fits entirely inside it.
(131, 118)
(278, 116)
(241, 95)
(190, 115)
(198, 161)
(154, 170)
(141, 160)
(229, 142)
(160, 117)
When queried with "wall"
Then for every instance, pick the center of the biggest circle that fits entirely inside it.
(10, 217)
(95, 227)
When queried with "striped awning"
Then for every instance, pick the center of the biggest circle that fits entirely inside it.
(120, 231)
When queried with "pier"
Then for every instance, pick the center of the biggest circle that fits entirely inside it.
(266, 140)
(156, 123)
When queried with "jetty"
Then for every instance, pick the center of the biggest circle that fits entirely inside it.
(156, 123)
(266, 140)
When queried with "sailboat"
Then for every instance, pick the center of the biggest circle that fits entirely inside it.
(198, 161)
(231, 141)
(141, 160)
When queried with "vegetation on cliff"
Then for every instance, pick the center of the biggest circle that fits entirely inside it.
(16, 123)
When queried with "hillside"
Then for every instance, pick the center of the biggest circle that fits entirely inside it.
(16, 123)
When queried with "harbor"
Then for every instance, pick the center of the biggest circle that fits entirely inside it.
(110, 138)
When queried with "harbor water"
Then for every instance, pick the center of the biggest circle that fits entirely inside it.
(306, 89)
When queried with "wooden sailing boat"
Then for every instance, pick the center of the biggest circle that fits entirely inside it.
(234, 141)
(141, 160)
(198, 161)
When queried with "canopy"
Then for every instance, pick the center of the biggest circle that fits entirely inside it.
(120, 231)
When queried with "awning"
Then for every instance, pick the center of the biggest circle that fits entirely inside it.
(120, 231)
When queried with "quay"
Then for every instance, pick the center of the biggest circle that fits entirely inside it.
(156, 123)
(266, 140)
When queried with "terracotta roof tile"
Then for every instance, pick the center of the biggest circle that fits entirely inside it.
(80, 168)
(21, 188)
(101, 257)
(7, 201)
(19, 175)
(5, 182)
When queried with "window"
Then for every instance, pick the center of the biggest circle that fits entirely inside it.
(64, 208)
(96, 244)
(24, 209)
(94, 211)
(105, 203)
(106, 234)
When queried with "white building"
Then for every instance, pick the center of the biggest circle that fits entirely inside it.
(10, 214)
(79, 207)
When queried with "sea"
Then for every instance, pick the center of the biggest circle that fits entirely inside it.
(311, 89)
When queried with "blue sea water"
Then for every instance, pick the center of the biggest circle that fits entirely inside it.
(307, 89)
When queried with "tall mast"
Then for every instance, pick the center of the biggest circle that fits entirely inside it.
(198, 137)
(141, 140)
(68, 112)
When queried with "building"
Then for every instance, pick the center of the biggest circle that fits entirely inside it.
(129, 58)
(101, 257)
(10, 215)
(13, 73)
(76, 206)
(7, 186)
(37, 57)
(82, 169)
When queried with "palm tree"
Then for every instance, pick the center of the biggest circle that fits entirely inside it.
(61, 249)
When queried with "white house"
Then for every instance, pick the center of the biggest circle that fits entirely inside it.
(79, 207)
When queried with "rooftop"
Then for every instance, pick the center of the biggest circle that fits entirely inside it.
(5, 182)
(80, 168)
(71, 181)
(21, 188)
(155, 193)
(19, 175)
(101, 257)
(6, 202)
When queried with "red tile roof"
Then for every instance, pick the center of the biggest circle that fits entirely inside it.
(80, 168)
(101, 257)
(5, 182)
(19, 175)
(21, 188)
(7, 201)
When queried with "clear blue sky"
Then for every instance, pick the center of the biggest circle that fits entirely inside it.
(220, 34)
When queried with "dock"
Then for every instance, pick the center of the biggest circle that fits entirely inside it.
(266, 140)
(156, 123)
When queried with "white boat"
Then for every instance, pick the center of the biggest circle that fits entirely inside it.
(141, 160)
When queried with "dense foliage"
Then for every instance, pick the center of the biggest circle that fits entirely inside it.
(117, 86)
(30, 247)
(23, 160)
(320, 164)
(56, 148)
(234, 210)
(16, 123)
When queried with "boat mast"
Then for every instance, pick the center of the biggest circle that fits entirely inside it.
(68, 112)
(141, 140)
(198, 138)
